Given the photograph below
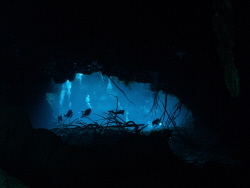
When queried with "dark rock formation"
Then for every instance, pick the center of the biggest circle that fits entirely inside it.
(7, 181)
(41, 159)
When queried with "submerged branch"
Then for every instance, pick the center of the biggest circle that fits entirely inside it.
(121, 91)
(154, 104)
(116, 101)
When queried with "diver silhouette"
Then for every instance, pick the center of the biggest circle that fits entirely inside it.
(59, 118)
(156, 122)
(86, 112)
(69, 114)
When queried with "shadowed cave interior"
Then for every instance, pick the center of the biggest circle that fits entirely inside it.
(124, 94)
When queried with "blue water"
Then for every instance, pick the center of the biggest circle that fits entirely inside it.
(98, 92)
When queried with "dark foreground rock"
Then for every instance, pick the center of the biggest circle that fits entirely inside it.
(7, 181)
(41, 159)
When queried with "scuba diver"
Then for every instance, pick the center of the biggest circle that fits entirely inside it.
(59, 118)
(86, 112)
(69, 114)
(117, 112)
(156, 122)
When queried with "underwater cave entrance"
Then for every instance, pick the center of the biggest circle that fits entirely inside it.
(134, 102)
(103, 94)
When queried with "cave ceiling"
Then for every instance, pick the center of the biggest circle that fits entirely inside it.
(118, 36)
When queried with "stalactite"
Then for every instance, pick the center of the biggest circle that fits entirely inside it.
(222, 25)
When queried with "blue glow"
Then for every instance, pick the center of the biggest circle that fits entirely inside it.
(100, 94)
